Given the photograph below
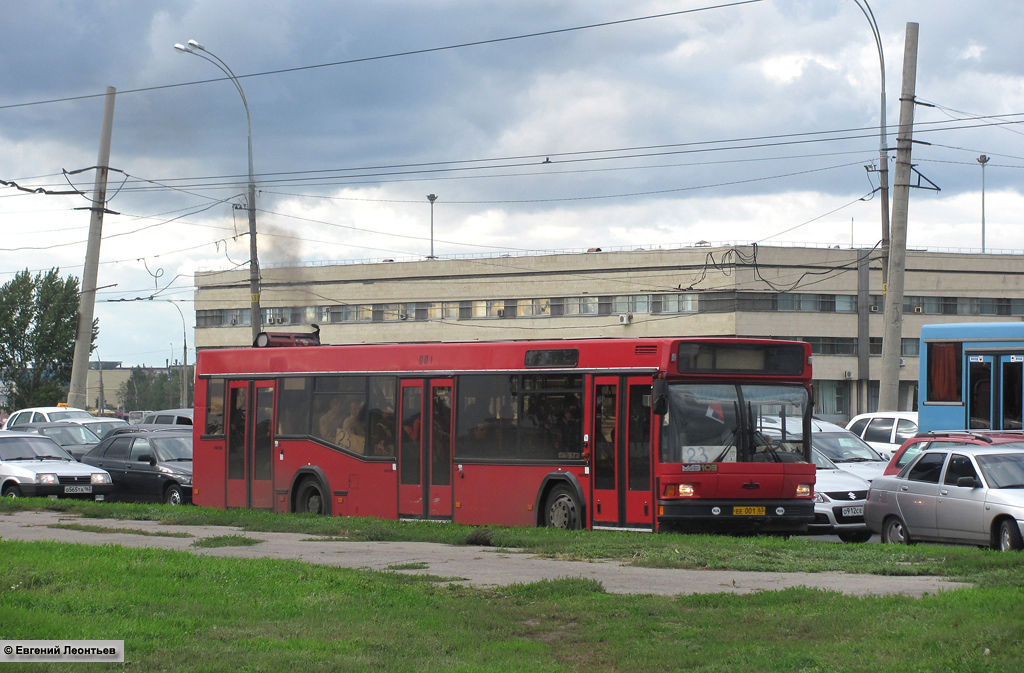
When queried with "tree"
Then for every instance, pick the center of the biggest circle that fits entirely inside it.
(153, 389)
(38, 326)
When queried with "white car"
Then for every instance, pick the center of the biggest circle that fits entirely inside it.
(848, 451)
(44, 415)
(32, 465)
(838, 502)
(884, 431)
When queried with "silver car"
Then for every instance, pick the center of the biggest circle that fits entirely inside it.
(32, 465)
(971, 494)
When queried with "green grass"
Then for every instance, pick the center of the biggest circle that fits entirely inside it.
(226, 541)
(85, 528)
(982, 567)
(180, 612)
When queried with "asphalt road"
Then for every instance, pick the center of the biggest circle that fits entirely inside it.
(477, 566)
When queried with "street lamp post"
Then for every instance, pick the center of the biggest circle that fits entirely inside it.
(432, 198)
(983, 160)
(883, 157)
(184, 356)
(199, 50)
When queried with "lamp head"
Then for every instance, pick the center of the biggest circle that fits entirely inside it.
(182, 48)
(196, 45)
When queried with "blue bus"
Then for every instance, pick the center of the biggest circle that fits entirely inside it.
(972, 376)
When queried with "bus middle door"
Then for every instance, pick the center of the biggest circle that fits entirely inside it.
(425, 449)
(250, 436)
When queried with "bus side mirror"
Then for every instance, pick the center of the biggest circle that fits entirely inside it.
(660, 390)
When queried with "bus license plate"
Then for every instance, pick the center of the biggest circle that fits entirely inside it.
(78, 489)
(748, 511)
(854, 511)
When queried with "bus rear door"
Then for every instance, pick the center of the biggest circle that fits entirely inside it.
(621, 441)
(250, 436)
(425, 449)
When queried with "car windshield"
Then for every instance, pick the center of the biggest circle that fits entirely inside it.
(722, 423)
(821, 462)
(103, 428)
(170, 449)
(1003, 470)
(70, 434)
(71, 413)
(31, 448)
(843, 447)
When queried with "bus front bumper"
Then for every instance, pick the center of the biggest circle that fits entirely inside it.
(733, 516)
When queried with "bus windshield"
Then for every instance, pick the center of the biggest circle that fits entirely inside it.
(707, 423)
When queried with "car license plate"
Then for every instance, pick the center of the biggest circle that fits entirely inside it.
(854, 511)
(748, 511)
(78, 489)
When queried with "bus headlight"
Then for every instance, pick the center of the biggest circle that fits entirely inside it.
(679, 491)
(803, 490)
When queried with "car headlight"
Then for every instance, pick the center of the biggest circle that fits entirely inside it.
(100, 478)
(47, 478)
(820, 497)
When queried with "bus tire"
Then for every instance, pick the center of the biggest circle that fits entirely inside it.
(894, 531)
(310, 498)
(561, 509)
(1009, 536)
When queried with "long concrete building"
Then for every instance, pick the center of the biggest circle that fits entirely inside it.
(830, 297)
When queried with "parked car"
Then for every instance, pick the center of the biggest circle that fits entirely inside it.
(884, 431)
(43, 415)
(73, 438)
(948, 439)
(838, 502)
(33, 465)
(102, 426)
(969, 494)
(150, 427)
(848, 451)
(147, 466)
(169, 417)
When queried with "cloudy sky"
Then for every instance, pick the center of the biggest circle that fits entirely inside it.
(539, 124)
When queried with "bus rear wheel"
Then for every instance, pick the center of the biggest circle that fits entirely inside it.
(562, 510)
(310, 498)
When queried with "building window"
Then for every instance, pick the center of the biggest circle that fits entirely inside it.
(209, 318)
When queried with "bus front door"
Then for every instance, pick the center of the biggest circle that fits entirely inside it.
(621, 451)
(250, 436)
(425, 449)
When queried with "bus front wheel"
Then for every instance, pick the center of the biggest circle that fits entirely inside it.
(310, 498)
(562, 510)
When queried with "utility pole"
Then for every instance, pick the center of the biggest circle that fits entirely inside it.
(87, 299)
(983, 160)
(892, 338)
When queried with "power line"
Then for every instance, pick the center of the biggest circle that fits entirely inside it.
(415, 52)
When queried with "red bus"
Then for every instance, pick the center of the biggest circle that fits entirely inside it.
(649, 433)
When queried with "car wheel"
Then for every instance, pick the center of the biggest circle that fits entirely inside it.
(562, 509)
(854, 535)
(1009, 536)
(173, 495)
(310, 498)
(895, 532)
(12, 491)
